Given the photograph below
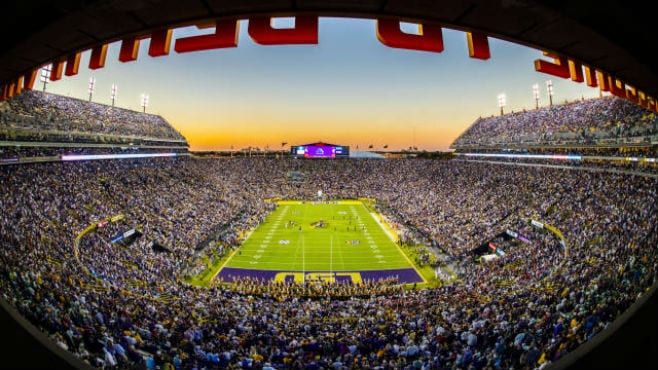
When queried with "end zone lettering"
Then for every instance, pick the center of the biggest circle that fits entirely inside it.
(323, 277)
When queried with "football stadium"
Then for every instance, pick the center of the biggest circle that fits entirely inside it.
(528, 245)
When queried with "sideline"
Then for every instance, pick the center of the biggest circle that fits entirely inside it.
(385, 227)
(394, 238)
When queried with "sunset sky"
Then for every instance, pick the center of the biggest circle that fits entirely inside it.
(348, 89)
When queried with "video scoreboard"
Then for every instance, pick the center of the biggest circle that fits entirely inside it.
(320, 150)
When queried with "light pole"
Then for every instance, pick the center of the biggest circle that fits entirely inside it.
(502, 100)
(92, 84)
(45, 75)
(145, 102)
(549, 87)
(115, 91)
(535, 94)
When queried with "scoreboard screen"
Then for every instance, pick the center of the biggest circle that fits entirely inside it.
(319, 151)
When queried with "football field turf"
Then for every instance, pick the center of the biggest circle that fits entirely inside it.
(323, 241)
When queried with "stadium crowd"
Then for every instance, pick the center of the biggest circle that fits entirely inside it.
(126, 306)
(346, 289)
(39, 116)
(590, 121)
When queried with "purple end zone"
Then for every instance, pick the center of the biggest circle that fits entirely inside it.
(405, 275)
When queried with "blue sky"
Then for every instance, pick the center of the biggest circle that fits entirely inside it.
(348, 89)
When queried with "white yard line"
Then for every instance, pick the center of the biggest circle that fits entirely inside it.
(384, 228)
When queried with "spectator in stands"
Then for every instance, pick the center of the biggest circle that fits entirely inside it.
(599, 120)
(128, 305)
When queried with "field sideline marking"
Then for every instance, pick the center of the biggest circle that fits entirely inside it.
(384, 225)
(387, 229)
(224, 264)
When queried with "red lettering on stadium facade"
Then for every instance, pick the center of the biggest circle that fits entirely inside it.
(21, 83)
(98, 56)
(57, 70)
(429, 38)
(564, 67)
(159, 46)
(160, 42)
(72, 64)
(558, 67)
(478, 45)
(225, 36)
(30, 79)
(129, 49)
(576, 71)
(305, 31)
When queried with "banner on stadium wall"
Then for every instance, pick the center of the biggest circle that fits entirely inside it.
(517, 236)
(127, 237)
(495, 248)
(106, 221)
(488, 257)
(524, 238)
(554, 230)
(116, 218)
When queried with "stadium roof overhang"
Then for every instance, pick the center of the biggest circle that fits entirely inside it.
(613, 36)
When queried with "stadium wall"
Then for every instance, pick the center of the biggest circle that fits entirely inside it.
(24, 346)
(629, 342)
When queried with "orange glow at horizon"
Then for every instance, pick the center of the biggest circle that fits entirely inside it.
(261, 132)
(238, 139)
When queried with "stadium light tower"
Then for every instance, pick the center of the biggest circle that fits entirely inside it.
(535, 94)
(145, 101)
(45, 75)
(502, 101)
(115, 91)
(92, 85)
(549, 87)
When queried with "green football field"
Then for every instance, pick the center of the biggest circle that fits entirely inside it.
(319, 237)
